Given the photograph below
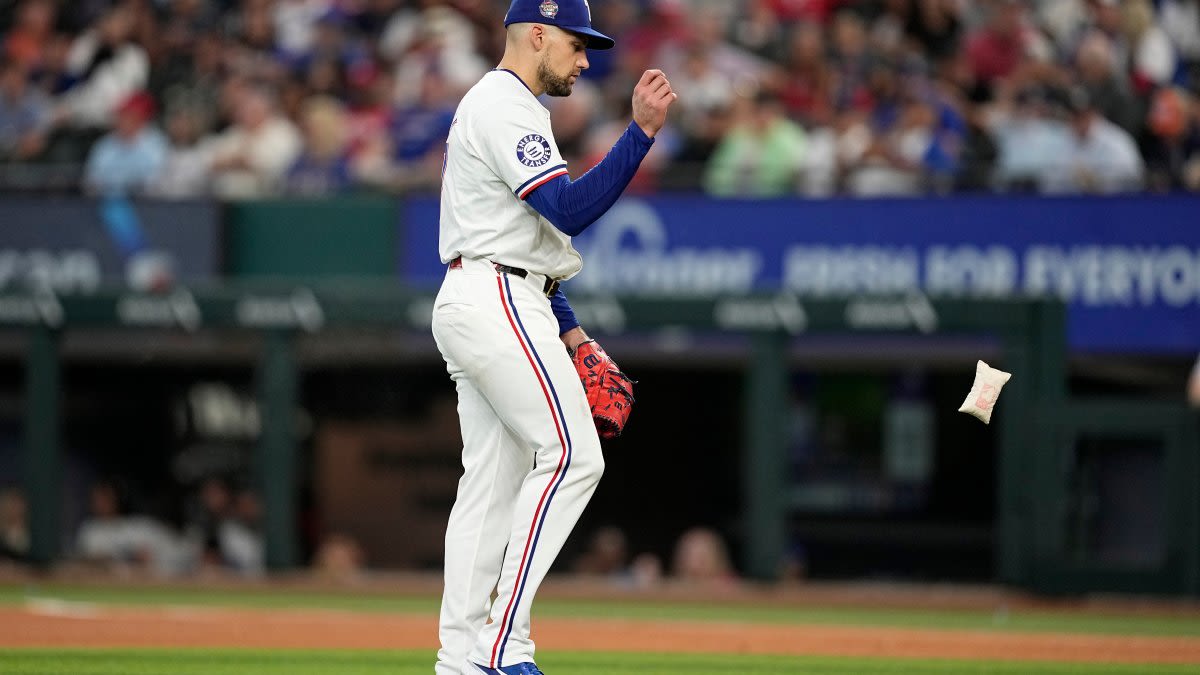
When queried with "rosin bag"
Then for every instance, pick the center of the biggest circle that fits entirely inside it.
(985, 392)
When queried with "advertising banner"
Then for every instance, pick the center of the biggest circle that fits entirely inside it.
(78, 245)
(1129, 267)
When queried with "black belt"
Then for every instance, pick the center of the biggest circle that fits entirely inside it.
(549, 288)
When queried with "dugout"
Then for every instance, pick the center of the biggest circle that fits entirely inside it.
(286, 348)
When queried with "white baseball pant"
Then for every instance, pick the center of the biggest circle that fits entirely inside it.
(531, 460)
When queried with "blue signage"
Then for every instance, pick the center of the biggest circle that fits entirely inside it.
(78, 245)
(1129, 267)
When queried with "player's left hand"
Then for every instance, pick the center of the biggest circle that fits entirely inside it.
(651, 98)
(609, 391)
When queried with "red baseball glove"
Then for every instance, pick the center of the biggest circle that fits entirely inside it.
(609, 391)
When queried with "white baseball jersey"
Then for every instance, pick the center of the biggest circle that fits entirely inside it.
(501, 149)
(531, 457)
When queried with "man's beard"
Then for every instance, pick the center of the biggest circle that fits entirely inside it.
(553, 84)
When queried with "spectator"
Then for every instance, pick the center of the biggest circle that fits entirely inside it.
(1101, 157)
(794, 11)
(147, 29)
(1106, 87)
(850, 60)
(223, 533)
(819, 170)
(701, 91)
(822, 58)
(935, 26)
(26, 41)
(323, 77)
(958, 89)
(660, 24)
(1152, 57)
(14, 530)
(419, 129)
(241, 537)
(996, 50)
(324, 166)
(251, 157)
(251, 53)
(172, 59)
(203, 531)
(333, 54)
(607, 555)
(339, 558)
(332, 43)
(1193, 392)
(125, 160)
(1181, 20)
(1030, 141)
(410, 157)
(619, 18)
(701, 556)
(806, 86)
(437, 39)
(295, 25)
(893, 163)
(757, 29)
(369, 112)
(794, 568)
(1191, 174)
(191, 17)
(25, 115)
(1064, 20)
(704, 108)
(762, 154)
(897, 143)
(52, 75)
(1191, 167)
(185, 172)
(646, 571)
(293, 93)
(1174, 139)
(120, 542)
(197, 85)
(109, 66)
(708, 28)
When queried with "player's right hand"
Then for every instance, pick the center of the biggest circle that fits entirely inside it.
(651, 98)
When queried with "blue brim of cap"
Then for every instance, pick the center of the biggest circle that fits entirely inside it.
(595, 39)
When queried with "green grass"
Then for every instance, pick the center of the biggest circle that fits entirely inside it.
(258, 662)
(203, 597)
(1015, 620)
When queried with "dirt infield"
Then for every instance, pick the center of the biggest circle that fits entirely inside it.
(57, 624)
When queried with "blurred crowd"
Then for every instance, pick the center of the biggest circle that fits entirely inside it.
(218, 533)
(700, 556)
(251, 98)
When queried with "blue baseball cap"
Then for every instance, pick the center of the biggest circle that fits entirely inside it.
(574, 16)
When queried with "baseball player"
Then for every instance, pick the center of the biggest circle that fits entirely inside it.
(531, 451)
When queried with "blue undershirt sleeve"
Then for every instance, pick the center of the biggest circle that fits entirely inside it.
(563, 312)
(572, 205)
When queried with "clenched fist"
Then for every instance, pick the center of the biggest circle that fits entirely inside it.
(651, 98)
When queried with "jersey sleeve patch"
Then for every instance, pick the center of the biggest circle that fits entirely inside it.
(515, 142)
(533, 151)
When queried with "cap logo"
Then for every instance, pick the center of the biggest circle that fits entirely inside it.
(549, 9)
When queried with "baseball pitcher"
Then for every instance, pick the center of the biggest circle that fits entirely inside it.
(531, 411)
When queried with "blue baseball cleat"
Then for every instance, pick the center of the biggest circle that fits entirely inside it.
(526, 668)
